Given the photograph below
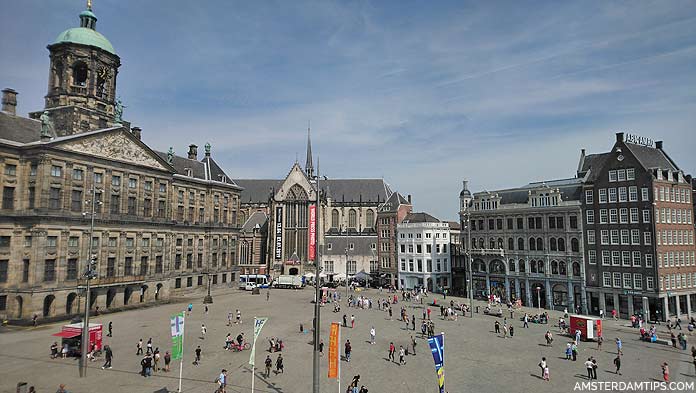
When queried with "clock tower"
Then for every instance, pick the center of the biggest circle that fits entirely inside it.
(82, 80)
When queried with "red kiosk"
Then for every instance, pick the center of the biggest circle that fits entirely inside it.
(590, 327)
(72, 335)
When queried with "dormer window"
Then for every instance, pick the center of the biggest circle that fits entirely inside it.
(188, 172)
(223, 179)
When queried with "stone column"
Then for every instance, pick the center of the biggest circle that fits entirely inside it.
(507, 287)
(688, 306)
(517, 288)
(488, 285)
(617, 306)
(602, 302)
(630, 305)
(646, 309)
(549, 294)
(571, 298)
(528, 292)
(665, 306)
(678, 307)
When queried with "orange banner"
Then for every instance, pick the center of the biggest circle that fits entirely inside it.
(334, 338)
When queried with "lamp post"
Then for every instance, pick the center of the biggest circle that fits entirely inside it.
(466, 218)
(317, 294)
(346, 251)
(90, 272)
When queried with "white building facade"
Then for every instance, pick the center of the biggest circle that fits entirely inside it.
(423, 253)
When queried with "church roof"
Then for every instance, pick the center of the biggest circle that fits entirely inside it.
(257, 190)
(257, 218)
(348, 190)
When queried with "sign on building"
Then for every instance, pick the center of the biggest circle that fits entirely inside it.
(279, 233)
(312, 232)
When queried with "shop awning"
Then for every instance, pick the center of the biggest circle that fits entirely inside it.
(67, 334)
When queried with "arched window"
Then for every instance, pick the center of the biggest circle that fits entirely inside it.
(482, 244)
(334, 218)
(352, 218)
(521, 265)
(57, 74)
(561, 244)
(520, 244)
(576, 269)
(369, 219)
(554, 267)
(479, 266)
(574, 245)
(500, 243)
(79, 74)
(552, 244)
(540, 267)
(497, 267)
(491, 243)
(533, 266)
(511, 265)
(562, 268)
(539, 244)
(511, 244)
(473, 242)
(532, 244)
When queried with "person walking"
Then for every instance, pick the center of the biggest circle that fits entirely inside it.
(345, 319)
(568, 351)
(111, 325)
(372, 335)
(619, 345)
(146, 364)
(140, 347)
(206, 310)
(665, 372)
(600, 340)
(391, 351)
(549, 338)
(148, 346)
(204, 330)
(594, 368)
(156, 359)
(512, 330)
(574, 350)
(496, 326)
(321, 347)
(617, 364)
(221, 381)
(588, 366)
(269, 364)
(413, 322)
(197, 360)
(402, 353)
(390, 314)
(229, 318)
(108, 355)
(546, 373)
(578, 335)
(352, 321)
(347, 349)
(167, 360)
(413, 344)
(279, 364)
(505, 330)
(239, 317)
(542, 366)
(526, 321)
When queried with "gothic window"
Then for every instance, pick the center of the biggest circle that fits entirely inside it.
(562, 268)
(552, 244)
(521, 265)
(533, 266)
(576, 269)
(511, 265)
(511, 244)
(539, 244)
(540, 267)
(532, 244)
(57, 74)
(297, 193)
(491, 243)
(574, 245)
(520, 244)
(500, 243)
(554, 267)
(369, 219)
(334, 218)
(79, 74)
(352, 218)
(561, 244)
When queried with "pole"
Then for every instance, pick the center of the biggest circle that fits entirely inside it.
(339, 358)
(183, 335)
(88, 276)
(443, 355)
(253, 365)
(468, 258)
(317, 309)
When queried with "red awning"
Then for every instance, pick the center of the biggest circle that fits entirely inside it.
(66, 334)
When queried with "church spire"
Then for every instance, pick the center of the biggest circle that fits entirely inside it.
(309, 165)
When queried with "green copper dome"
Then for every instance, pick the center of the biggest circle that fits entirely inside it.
(86, 33)
(85, 36)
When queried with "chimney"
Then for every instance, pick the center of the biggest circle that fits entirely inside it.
(658, 144)
(619, 136)
(193, 152)
(137, 132)
(409, 199)
(9, 101)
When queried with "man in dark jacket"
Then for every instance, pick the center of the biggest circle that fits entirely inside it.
(108, 355)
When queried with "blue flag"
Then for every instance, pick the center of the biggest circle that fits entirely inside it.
(437, 347)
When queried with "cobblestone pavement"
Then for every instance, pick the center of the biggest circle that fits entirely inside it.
(476, 359)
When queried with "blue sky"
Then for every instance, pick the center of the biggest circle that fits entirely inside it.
(423, 94)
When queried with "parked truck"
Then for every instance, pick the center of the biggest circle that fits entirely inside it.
(285, 281)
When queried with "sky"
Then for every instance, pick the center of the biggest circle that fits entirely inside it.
(423, 94)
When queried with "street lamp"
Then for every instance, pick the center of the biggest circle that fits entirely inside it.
(466, 218)
(317, 293)
(208, 299)
(90, 273)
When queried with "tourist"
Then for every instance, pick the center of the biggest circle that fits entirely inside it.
(352, 321)
(526, 321)
(568, 351)
(549, 338)
(203, 331)
(108, 355)
(505, 330)
(156, 358)
(413, 322)
(190, 308)
(674, 339)
(617, 364)
(542, 366)
(347, 349)
(279, 364)
(413, 344)
(146, 365)
(577, 336)
(665, 372)
(546, 373)
(148, 346)
(206, 310)
(589, 366)
(601, 314)
(222, 381)
(391, 351)
(140, 347)
(321, 347)
(600, 340)
(402, 353)
(229, 318)
(372, 335)
(496, 326)
(54, 350)
(167, 360)
(269, 364)
(574, 349)
(345, 319)
(619, 345)
(197, 360)
(111, 325)
(61, 389)
(239, 317)
(594, 368)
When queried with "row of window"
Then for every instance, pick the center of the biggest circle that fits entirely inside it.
(676, 258)
(621, 258)
(618, 216)
(553, 222)
(675, 238)
(627, 281)
(189, 280)
(677, 281)
(673, 216)
(535, 267)
(616, 237)
(439, 248)
(622, 175)
(78, 175)
(351, 267)
(353, 218)
(74, 241)
(672, 194)
(619, 194)
(428, 235)
(535, 244)
(417, 265)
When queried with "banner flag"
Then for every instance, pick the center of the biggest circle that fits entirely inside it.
(312, 231)
(258, 325)
(334, 338)
(177, 324)
(437, 347)
(177, 347)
